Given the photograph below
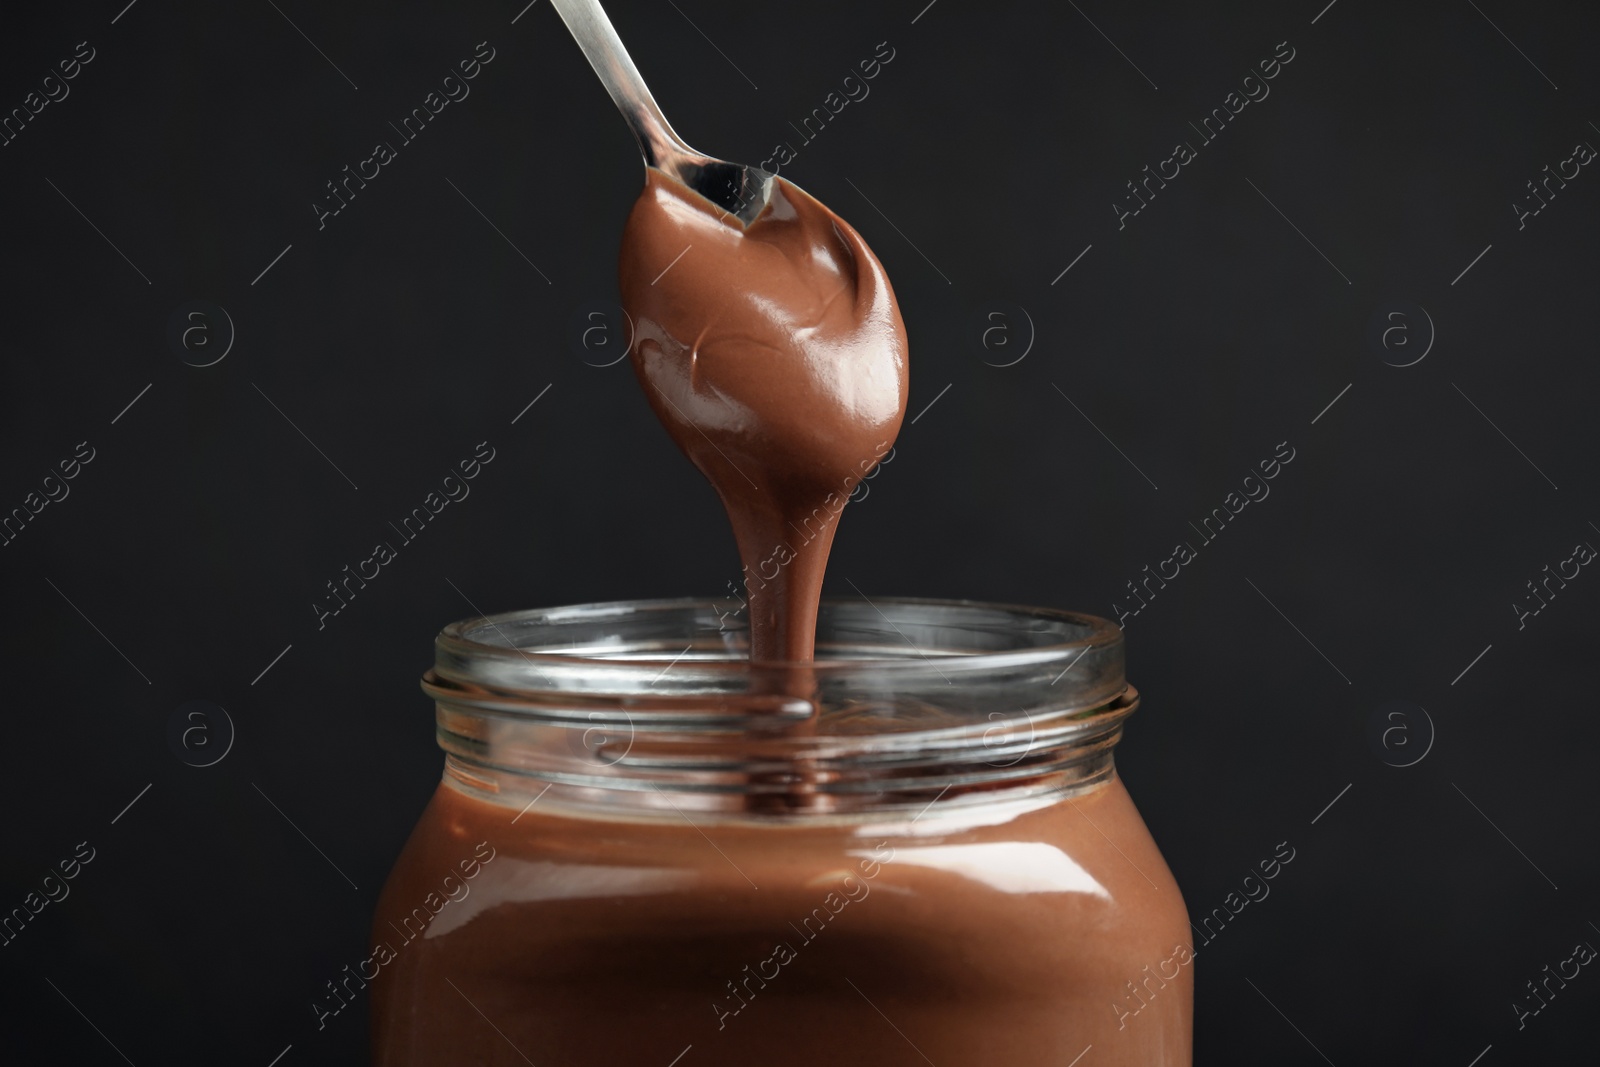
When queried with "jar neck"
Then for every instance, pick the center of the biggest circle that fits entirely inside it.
(911, 704)
(607, 761)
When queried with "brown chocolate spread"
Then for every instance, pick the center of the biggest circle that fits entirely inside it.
(1018, 933)
(775, 356)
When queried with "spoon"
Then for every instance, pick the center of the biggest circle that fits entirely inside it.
(738, 189)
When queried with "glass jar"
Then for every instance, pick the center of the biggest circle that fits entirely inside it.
(646, 850)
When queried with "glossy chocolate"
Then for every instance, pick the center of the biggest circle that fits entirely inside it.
(1013, 937)
(775, 356)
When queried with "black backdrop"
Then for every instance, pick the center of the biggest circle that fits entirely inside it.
(1374, 183)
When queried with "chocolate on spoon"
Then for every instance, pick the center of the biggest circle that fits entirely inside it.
(768, 341)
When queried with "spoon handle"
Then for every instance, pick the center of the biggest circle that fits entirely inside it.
(590, 27)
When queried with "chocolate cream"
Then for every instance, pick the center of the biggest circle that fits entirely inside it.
(1009, 934)
(775, 356)
(1013, 937)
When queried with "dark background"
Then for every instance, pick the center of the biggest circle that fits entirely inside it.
(1197, 338)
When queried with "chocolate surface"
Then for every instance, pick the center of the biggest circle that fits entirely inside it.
(775, 356)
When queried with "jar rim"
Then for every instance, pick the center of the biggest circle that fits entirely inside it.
(458, 637)
(908, 697)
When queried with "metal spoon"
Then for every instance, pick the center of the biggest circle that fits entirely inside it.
(740, 190)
